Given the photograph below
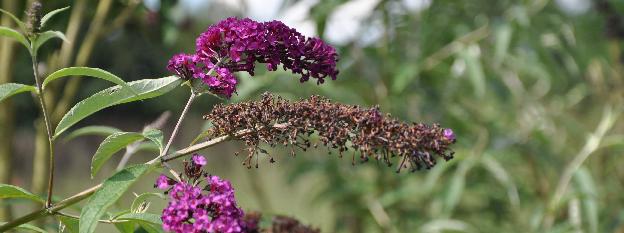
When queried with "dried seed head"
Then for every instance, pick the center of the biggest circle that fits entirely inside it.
(33, 25)
(338, 126)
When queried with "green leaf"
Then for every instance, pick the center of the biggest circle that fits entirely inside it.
(404, 77)
(9, 89)
(587, 188)
(111, 145)
(85, 71)
(472, 57)
(27, 227)
(148, 146)
(71, 224)
(45, 36)
(8, 32)
(155, 136)
(125, 227)
(50, 14)
(151, 228)
(19, 23)
(141, 217)
(10, 191)
(108, 194)
(457, 186)
(139, 200)
(500, 173)
(99, 130)
(146, 88)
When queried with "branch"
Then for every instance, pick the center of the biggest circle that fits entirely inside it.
(88, 192)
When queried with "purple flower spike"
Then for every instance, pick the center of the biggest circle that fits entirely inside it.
(191, 209)
(238, 44)
(199, 160)
(449, 135)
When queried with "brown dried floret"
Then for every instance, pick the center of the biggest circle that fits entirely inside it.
(275, 121)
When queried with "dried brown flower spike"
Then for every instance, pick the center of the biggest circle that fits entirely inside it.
(341, 127)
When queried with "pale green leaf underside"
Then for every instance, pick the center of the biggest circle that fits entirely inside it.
(50, 14)
(111, 145)
(8, 32)
(84, 71)
(155, 136)
(10, 191)
(27, 227)
(112, 189)
(47, 35)
(146, 88)
(98, 130)
(142, 217)
(9, 89)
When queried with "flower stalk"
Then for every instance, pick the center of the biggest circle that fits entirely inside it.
(48, 126)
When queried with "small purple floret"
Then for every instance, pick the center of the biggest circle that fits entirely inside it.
(199, 160)
(163, 182)
(449, 135)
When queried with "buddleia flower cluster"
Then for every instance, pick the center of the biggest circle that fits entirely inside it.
(200, 203)
(234, 45)
(345, 128)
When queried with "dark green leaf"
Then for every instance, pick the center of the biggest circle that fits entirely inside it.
(10, 191)
(111, 145)
(146, 88)
(9, 89)
(98, 130)
(50, 14)
(108, 194)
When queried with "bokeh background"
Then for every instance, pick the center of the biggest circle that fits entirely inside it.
(533, 89)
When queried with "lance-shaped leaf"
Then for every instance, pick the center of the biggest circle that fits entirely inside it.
(51, 14)
(108, 194)
(27, 227)
(85, 71)
(45, 36)
(71, 224)
(19, 23)
(99, 130)
(10, 191)
(8, 32)
(146, 88)
(125, 227)
(9, 89)
(111, 145)
(141, 217)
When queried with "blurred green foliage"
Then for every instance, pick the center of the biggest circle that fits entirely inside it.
(533, 92)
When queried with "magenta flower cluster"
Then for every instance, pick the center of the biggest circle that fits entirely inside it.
(234, 45)
(194, 208)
